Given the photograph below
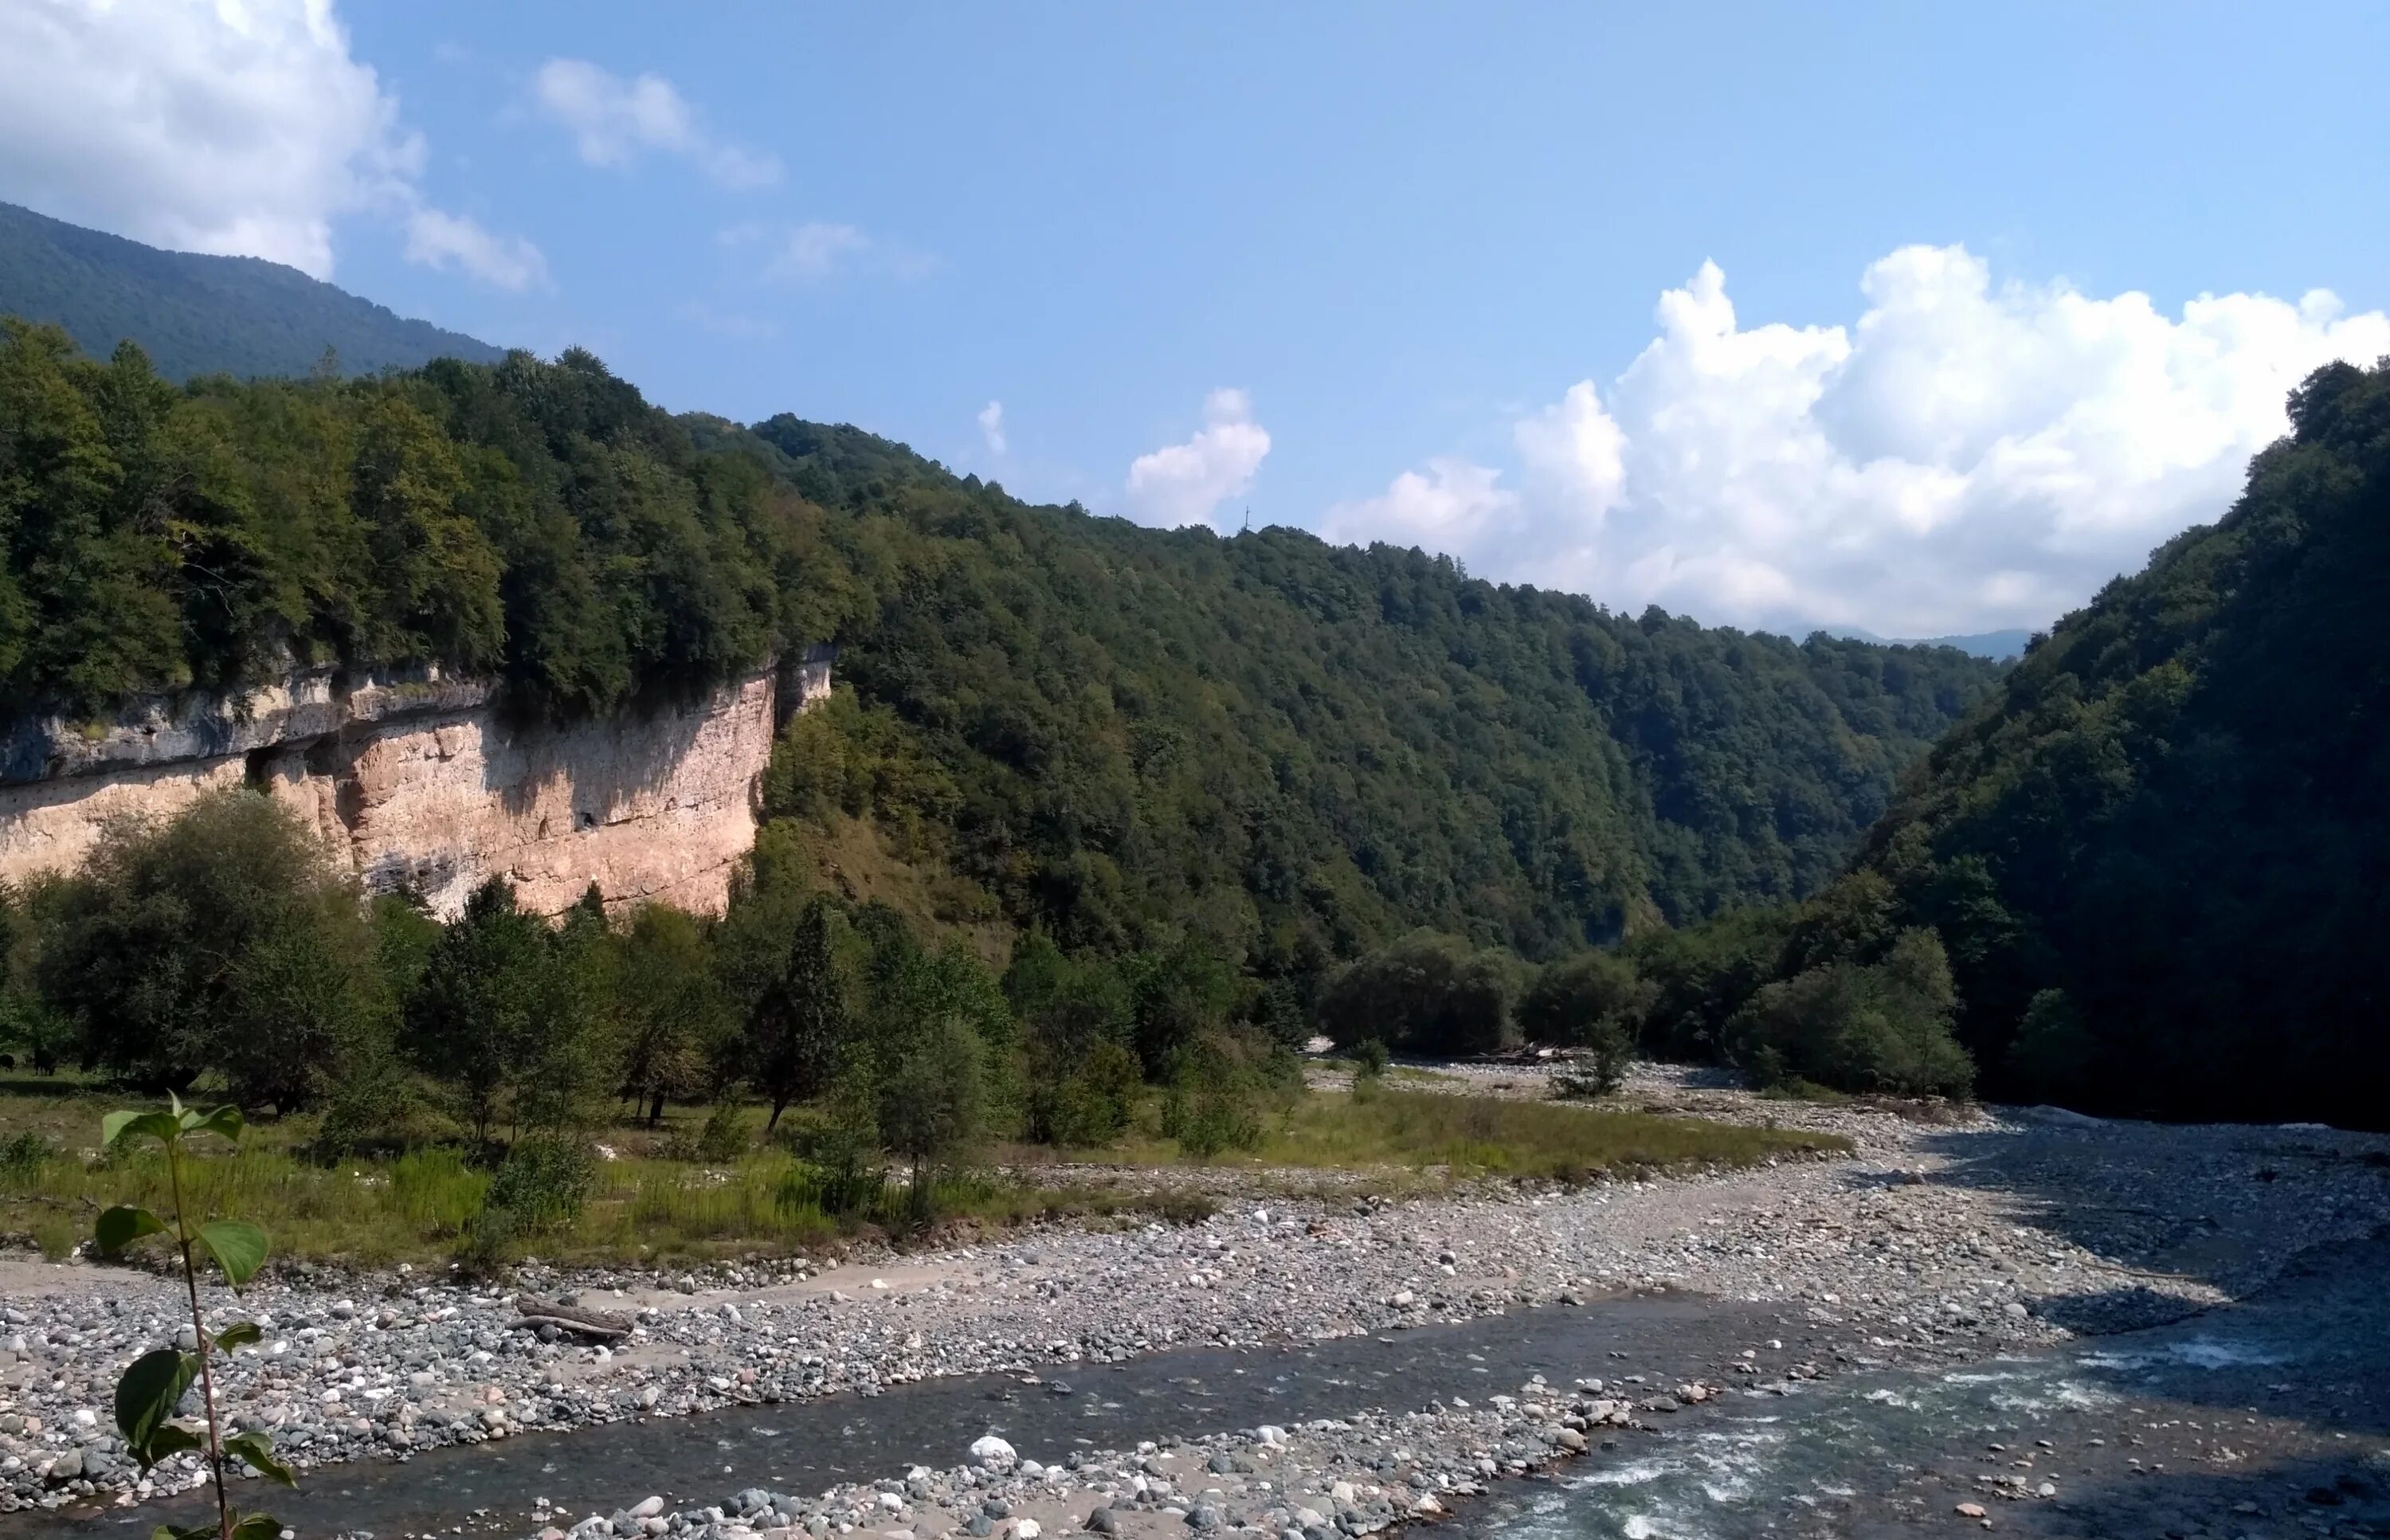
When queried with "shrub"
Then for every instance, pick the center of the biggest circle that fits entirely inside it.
(724, 1136)
(487, 1245)
(1215, 1097)
(2052, 1052)
(545, 1182)
(1427, 993)
(22, 1155)
(1584, 1001)
(1093, 1106)
(1884, 1028)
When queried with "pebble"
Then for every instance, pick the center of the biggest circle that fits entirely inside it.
(1879, 1243)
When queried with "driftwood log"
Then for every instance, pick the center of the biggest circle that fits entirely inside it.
(602, 1324)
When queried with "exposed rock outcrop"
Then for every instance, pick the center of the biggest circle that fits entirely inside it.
(422, 781)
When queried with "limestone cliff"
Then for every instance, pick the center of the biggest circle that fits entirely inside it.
(422, 781)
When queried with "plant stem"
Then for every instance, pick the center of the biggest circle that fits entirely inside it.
(199, 1332)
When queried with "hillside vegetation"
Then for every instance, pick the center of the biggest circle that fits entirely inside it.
(2158, 857)
(201, 314)
(1124, 736)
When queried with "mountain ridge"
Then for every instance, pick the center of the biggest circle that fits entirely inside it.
(195, 313)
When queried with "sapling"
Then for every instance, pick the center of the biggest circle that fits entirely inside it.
(149, 1390)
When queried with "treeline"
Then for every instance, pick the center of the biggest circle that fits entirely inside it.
(539, 523)
(1274, 752)
(223, 946)
(2159, 856)
(1830, 994)
(2149, 876)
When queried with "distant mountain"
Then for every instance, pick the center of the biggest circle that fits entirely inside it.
(196, 314)
(1999, 646)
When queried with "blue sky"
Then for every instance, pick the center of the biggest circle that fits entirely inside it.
(1352, 261)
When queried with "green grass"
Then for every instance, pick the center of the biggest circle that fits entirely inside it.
(1495, 1136)
(648, 1208)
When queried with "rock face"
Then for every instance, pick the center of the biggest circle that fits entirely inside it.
(422, 780)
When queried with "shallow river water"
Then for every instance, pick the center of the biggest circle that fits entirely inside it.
(2257, 1420)
(2265, 1419)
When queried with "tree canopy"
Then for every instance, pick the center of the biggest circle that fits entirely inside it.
(1282, 751)
(2158, 856)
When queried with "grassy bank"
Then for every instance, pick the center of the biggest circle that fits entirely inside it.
(649, 1207)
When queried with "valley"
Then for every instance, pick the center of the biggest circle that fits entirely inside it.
(1940, 1242)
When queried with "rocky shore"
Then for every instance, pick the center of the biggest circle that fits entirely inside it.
(1946, 1238)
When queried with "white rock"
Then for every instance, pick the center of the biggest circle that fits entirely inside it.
(992, 1452)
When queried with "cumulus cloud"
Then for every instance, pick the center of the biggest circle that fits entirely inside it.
(204, 126)
(440, 240)
(990, 425)
(614, 120)
(1963, 457)
(1453, 505)
(1186, 483)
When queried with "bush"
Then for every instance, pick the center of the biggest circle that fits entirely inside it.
(545, 1182)
(1601, 1068)
(223, 940)
(724, 1136)
(1093, 1106)
(1218, 1089)
(1427, 994)
(1880, 1028)
(1584, 1001)
(1370, 1057)
(487, 1246)
(22, 1155)
(2053, 1050)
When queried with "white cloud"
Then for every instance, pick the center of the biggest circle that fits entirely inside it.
(205, 125)
(815, 250)
(1186, 483)
(614, 120)
(1964, 456)
(990, 425)
(436, 239)
(820, 250)
(1454, 507)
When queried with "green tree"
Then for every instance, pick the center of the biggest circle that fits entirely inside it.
(799, 1027)
(933, 1097)
(1425, 994)
(502, 1014)
(669, 1005)
(2050, 1055)
(1577, 1000)
(220, 940)
(1884, 1027)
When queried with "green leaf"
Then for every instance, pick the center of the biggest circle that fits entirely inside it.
(146, 1395)
(257, 1526)
(172, 1438)
(124, 1224)
(191, 1531)
(160, 1126)
(256, 1451)
(239, 1246)
(226, 1120)
(239, 1334)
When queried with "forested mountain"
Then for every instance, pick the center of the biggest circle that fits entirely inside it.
(198, 314)
(1999, 646)
(2159, 856)
(1126, 737)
